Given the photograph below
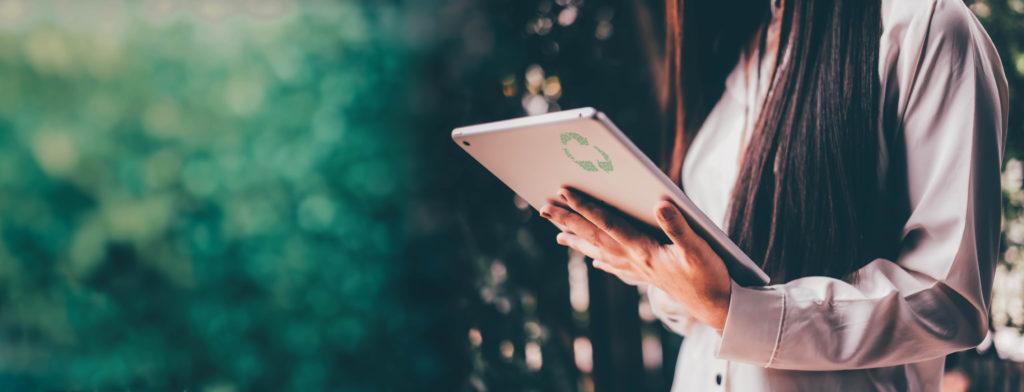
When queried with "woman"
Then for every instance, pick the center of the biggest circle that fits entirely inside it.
(853, 148)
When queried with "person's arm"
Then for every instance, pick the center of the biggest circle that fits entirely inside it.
(933, 299)
(671, 313)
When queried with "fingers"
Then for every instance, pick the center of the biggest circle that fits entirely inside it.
(583, 246)
(592, 251)
(624, 275)
(608, 221)
(674, 224)
(573, 223)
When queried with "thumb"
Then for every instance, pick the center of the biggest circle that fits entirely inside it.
(674, 224)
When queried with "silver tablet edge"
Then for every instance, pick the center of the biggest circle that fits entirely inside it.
(522, 122)
(684, 202)
(677, 194)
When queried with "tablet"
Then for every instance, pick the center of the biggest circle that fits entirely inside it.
(538, 155)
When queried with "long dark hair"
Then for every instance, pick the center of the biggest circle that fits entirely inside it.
(807, 200)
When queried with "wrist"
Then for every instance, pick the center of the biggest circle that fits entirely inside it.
(722, 312)
(722, 303)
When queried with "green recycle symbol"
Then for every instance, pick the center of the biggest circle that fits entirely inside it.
(605, 164)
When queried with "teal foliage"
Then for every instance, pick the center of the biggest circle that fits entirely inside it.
(201, 200)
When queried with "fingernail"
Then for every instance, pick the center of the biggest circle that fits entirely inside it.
(562, 194)
(663, 211)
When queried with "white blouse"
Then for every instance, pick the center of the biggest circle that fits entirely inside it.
(890, 330)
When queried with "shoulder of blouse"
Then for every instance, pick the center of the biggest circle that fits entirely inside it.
(936, 36)
(942, 22)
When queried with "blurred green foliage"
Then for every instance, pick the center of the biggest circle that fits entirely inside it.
(203, 197)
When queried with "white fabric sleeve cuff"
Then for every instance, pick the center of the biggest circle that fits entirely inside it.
(753, 326)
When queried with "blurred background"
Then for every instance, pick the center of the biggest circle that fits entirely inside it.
(262, 195)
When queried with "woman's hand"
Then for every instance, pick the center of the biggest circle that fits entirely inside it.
(687, 269)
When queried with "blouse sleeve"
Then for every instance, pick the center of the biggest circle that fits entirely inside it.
(933, 299)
